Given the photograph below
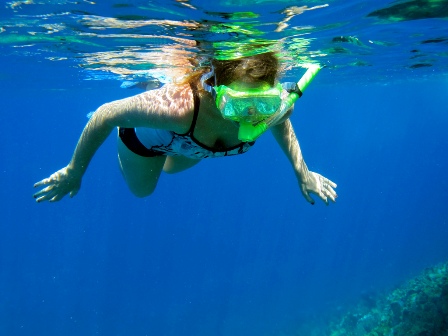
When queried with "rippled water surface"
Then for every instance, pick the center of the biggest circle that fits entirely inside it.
(375, 40)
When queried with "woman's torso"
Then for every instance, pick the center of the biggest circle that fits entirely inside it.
(206, 134)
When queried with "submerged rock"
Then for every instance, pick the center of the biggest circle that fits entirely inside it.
(418, 308)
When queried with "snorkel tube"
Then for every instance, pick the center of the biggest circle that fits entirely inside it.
(250, 132)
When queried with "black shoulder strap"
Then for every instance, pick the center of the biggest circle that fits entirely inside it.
(197, 103)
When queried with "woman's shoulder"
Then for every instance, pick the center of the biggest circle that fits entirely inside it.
(175, 102)
(177, 96)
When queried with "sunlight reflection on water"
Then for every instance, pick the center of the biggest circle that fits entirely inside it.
(165, 40)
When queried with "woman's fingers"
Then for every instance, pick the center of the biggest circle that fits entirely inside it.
(56, 177)
(331, 183)
(57, 185)
(326, 190)
(44, 191)
(42, 183)
(308, 197)
(73, 193)
(48, 196)
(323, 197)
(49, 193)
(331, 193)
(56, 198)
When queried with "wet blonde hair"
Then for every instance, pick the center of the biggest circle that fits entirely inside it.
(263, 67)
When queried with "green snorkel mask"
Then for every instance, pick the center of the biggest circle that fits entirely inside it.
(256, 109)
(248, 105)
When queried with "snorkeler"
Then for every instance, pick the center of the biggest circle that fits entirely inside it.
(172, 128)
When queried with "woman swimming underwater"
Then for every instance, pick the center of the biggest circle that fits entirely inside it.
(173, 128)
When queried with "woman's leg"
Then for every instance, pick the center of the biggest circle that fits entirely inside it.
(176, 164)
(140, 173)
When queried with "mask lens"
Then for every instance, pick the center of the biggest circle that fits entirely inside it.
(248, 106)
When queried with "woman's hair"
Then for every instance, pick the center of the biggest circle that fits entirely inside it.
(262, 67)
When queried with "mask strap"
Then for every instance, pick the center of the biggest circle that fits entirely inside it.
(292, 87)
(207, 87)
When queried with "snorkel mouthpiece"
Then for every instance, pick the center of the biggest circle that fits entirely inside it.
(251, 131)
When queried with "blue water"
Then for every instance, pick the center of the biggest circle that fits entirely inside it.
(229, 247)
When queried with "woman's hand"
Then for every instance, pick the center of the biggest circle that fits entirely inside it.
(319, 185)
(58, 185)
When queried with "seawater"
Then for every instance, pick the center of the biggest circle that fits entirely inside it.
(229, 247)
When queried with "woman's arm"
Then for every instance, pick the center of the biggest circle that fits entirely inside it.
(163, 109)
(309, 181)
(166, 108)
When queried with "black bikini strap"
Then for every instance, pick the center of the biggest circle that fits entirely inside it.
(197, 103)
(129, 138)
